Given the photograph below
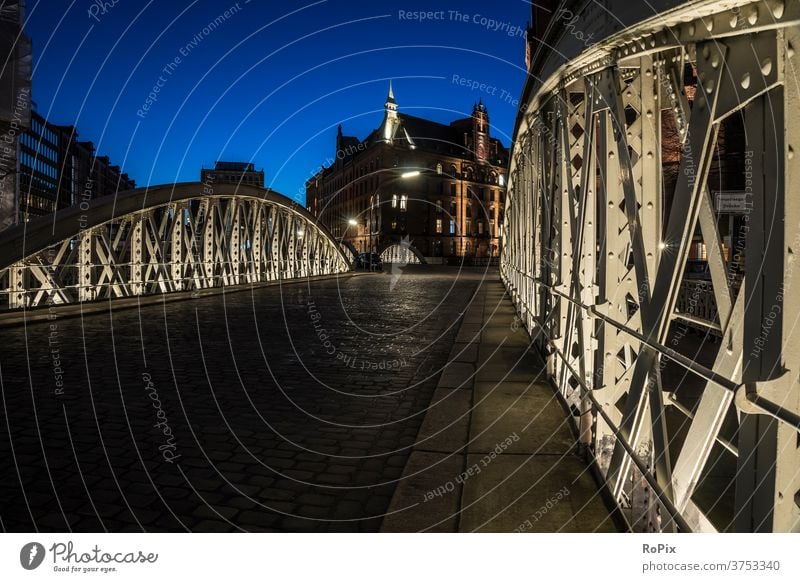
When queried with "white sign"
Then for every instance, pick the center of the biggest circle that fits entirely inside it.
(732, 202)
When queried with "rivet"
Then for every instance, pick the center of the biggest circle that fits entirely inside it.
(791, 153)
(745, 82)
(734, 21)
(692, 29)
(766, 66)
(752, 18)
(778, 8)
(710, 87)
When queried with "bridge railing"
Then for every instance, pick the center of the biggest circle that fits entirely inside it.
(176, 238)
(610, 182)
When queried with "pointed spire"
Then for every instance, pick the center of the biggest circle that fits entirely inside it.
(391, 92)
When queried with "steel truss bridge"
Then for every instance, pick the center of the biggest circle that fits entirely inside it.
(166, 239)
(622, 148)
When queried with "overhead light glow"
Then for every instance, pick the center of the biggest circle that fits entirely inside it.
(413, 174)
(352, 222)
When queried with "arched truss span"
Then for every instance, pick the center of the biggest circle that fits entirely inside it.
(163, 239)
(610, 195)
(402, 253)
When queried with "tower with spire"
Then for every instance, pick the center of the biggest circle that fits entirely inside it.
(390, 119)
(480, 131)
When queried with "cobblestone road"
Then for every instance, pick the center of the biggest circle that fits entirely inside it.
(288, 409)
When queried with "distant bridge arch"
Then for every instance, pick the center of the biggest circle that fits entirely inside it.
(163, 239)
(402, 252)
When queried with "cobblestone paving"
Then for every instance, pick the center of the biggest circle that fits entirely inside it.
(208, 415)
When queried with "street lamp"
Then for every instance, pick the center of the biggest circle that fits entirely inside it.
(412, 174)
(352, 222)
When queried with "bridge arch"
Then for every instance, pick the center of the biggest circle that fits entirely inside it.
(401, 252)
(163, 239)
(350, 251)
(610, 191)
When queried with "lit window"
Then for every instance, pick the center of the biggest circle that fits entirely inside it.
(404, 202)
(438, 226)
(502, 180)
(452, 227)
(394, 201)
(480, 227)
(439, 169)
(394, 225)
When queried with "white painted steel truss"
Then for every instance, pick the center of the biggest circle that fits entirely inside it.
(596, 243)
(185, 243)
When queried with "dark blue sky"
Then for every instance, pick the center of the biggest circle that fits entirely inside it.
(270, 81)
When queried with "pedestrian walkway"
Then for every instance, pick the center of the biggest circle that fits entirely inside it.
(496, 452)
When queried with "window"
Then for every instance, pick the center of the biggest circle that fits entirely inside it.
(452, 227)
(394, 225)
(439, 169)
(480, 227)
(469, 210)
(468, 228)
(502, 180)
(438, 207)
(403, 203)
(438, 226)
(394, 200)
(452, 189)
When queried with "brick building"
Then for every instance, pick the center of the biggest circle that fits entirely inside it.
(441, 186)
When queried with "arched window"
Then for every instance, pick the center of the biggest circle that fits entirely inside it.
(439, 169)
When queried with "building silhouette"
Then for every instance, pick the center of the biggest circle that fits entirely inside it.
(440, 187)
(56, 170)
(242, 173)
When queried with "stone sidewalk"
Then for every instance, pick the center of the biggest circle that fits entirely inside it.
(495, 452)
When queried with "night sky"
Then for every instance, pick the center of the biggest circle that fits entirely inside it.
(270, 81)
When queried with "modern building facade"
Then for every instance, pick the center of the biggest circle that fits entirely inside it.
(15, 103)
(440, 188)
(56, 170)
(242, 173)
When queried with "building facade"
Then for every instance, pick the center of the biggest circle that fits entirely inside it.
(15, 104)
(440, 188)
(56, 170)
(243, 173)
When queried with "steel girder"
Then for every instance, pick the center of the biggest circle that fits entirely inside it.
(162, 240)
(595, 250)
